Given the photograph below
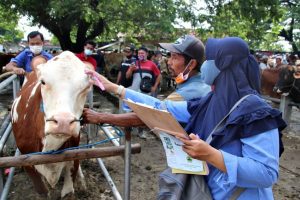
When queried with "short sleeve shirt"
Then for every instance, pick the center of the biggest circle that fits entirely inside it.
(23, 59)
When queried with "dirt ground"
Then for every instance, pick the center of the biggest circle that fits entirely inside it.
(147, 165)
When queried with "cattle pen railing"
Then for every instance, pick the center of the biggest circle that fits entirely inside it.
(26, 160)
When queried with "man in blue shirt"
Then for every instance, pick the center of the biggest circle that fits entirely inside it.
(187, 55)
(22, 62)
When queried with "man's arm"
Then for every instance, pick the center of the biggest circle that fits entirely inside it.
(124, 120)
(130, 71)
(12, 66)
(157, 81)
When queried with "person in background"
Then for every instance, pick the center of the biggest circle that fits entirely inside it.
(244, 151)
(147, 68)
(278, 61)
(86, 55)
(129, 60)
(263, 62)
(22, 62)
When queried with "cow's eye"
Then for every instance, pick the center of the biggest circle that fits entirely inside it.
(43, 82)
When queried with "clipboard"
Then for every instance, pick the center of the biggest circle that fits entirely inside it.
(157, 120)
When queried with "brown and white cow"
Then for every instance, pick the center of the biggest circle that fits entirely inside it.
(45, 116)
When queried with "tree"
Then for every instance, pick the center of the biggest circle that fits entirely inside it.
(250, 20)
(8, 27)
(73, 22)
(291, 23)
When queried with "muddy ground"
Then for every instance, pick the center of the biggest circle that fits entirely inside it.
(147, 165)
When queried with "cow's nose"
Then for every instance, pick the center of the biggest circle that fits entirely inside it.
(62, 123)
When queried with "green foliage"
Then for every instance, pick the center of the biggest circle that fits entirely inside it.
(8, 26)
(75, 21)
(249, 20)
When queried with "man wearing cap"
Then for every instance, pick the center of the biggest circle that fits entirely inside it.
(129, 59)
(191, 87)
(187, 55)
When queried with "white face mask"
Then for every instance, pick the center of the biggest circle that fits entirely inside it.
(36, 49)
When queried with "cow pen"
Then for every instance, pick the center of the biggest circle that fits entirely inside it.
(18, 160)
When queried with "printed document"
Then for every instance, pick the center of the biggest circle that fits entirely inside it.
(167, 127)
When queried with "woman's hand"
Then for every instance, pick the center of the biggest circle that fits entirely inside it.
(199, 149)
(196, 148)
(101, 81)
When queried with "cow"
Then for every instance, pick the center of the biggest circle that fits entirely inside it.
(289, 82)
(269, 78)
(45, 116)
(112, 63)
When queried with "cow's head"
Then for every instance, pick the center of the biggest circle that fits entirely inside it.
(285, 80)
(64, 87)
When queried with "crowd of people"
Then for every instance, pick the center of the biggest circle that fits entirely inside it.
(243, 154)
(277, 60)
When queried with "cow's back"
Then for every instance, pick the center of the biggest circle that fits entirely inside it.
(269, 78)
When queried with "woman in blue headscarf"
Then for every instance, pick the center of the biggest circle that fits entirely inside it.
(244, 151)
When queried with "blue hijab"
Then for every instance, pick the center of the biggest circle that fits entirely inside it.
(239, 76)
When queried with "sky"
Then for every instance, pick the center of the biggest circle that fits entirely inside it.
(24, 25)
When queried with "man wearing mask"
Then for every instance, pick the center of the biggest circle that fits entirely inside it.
(187, 55)
(22, 62)
(129, 59)
(143, 67)
(86, 55)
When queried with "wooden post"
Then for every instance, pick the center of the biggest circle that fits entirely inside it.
(78, 154)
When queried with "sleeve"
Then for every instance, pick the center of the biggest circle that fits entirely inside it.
(19, 59)
(177, 108)
(155, 69)
(258, 168)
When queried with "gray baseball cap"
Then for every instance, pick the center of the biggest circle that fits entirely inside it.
(188, 45)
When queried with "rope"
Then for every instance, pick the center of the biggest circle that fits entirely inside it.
(71, 148)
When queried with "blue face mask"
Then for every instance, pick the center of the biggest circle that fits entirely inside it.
(209, 72)
(88, 52)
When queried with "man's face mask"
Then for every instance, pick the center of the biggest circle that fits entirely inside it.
(209, 72)
(36, 49)
(183, 76)
(88, 52)
(141, 57)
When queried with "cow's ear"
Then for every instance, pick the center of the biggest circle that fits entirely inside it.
(88, 65)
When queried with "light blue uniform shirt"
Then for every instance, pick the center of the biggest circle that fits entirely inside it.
(193, 87)
(251, 163)
(24, 59)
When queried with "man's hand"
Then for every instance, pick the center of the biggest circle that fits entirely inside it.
(18, 71)
(90, 116)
